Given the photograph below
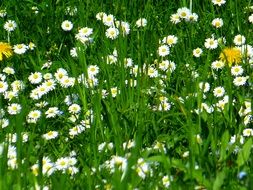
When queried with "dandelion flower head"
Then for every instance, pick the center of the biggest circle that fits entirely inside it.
(231, 55)
(5, 50)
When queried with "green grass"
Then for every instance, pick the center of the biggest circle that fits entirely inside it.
(194, 150)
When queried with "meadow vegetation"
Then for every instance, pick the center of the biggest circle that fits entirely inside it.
(125, 94)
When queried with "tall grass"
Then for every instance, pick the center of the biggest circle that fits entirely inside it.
(125, 140)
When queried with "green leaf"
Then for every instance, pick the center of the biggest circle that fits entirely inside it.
(244, 154)
(219, 180)
(224, 145)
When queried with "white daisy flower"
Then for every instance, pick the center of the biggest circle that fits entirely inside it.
(240, 81)
(20, 48)
(219, 91)
(197, 52)
(14, 109)
(67, 25)
(211, 43)
(163, 50)
(142, 22)
(239, 40)
(236, 70)
(10, 25)
(35, 78)
(112, 33)
(217, 22)
(50, 135)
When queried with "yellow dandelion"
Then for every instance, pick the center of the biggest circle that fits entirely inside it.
(231, 55)
(6, 50)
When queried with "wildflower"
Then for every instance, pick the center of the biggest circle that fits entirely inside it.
(85, 31)
(20, 48)
(50, 135)
(9, 70)
(164, 106)
(240, 81)
(247, 132)
(9, 95)
(114, 91)
(3, 86)
(47, 64)
(216, 65)
(217, 22)
(175, 18)
(128, 62)
(108, 20)
(62, 163)
(93, 70)
(231, 55)
(112, 33)
(170, 40)
(4, 123)
(41, 104)
(17, 85)
(73, 52)
(236, 70)
(218, 2)
(251, 19)
(33, 116)
(142, 22)
(10, 25)
(31, 46)
(100, 15)
(117, 162)
(66, 25)
(66, 81)
(14, 109)
(143, 168)
(110, 59)
(35, 9)
(128, 145)
(239, 40)
(2, 77)
(205, 86)
(184, 12)
(60, 73)
(74, 109)
(47, 76)
(242, 174)
(211, 43)
(219, 91)
(199, 139)
(163, 50)
(152, 72)
(5, 50)
(71, 11)
(197, 52)
(247, 119)
(166, 181)
(193, 17)
(47, 167)
(35, 78)
(124, 26)
(3, 13)
(76, 130)
(171, 66)
(246, 51)
(49, 84)
(164, 65)
(52, 112)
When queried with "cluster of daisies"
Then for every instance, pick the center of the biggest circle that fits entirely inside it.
(143, 168)
(235, 62)
(63, 164)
